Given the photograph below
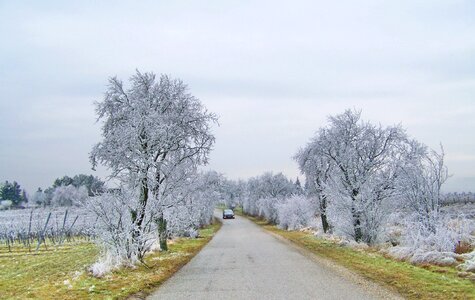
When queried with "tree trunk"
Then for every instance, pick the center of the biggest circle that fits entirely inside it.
(143, 202)
(138, 216)
(162, 232)
(357, 225)
(323, 214)
(356, 217)
(325, 224)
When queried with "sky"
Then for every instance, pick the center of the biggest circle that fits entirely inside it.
(273, 71)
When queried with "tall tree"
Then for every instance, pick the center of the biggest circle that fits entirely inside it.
(365, 162)
(152, 131)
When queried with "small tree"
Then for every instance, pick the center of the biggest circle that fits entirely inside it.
(39, 197)
(12, 192)
(295, 212)
(363, 161)
(317, 169)
(265, 192)
(421, 184)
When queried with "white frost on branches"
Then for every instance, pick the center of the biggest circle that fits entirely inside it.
(67, 196)
(295, 213)
(155, 135)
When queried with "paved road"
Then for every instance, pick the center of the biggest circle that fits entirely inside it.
(244, 262)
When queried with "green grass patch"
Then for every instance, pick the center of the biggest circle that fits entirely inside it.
(61, 272)
(412, 282)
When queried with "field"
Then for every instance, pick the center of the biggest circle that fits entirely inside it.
(45, 227)
(60, 272)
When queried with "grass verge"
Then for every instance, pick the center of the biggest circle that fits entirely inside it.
(61, 273)
(412, 282)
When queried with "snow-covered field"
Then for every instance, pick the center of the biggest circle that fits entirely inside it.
(53, 223)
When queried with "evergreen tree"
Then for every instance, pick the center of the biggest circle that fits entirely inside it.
(11, 191)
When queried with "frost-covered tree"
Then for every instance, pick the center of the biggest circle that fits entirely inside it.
(198, 200)
(93, 184)
(154, 134)
(233, 192)
(69, 195)
(365, 160)
(316, 168)
(298, 187)
(265, 192)
(39, 197)
(421, 184)
(295, 212)
(116, 229)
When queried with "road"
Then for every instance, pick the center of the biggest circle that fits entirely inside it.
(245, 262)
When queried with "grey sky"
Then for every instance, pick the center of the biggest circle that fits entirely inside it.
(273, 71)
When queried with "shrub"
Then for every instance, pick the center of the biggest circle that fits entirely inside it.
(295, 213)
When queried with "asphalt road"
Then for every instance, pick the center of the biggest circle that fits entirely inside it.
(245, 262)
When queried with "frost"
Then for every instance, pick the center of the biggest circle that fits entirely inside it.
(106, 264)
(419, 256)
(469, 264)
(69, 195)
(155, 136)
(295, 213)
(68, 284)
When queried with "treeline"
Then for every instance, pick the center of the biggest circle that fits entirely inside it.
(458, 198)
(367, 183)
(68, 191)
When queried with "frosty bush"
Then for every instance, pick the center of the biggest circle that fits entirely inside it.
(121, 239)
(265, 192)
(420, 256)
(5, 204)
(469, 264)
(420, 185)
(267, 208)
(443, 235)
(69, 195)
(295, 213)
(125, 241)
(198, 199)
(420, 244)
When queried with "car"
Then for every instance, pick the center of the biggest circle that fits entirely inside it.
(228, 214)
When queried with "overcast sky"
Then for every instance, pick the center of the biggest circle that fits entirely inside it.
(272, 70)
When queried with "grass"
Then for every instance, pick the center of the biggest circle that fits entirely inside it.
(412, 282)
(61, 273)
